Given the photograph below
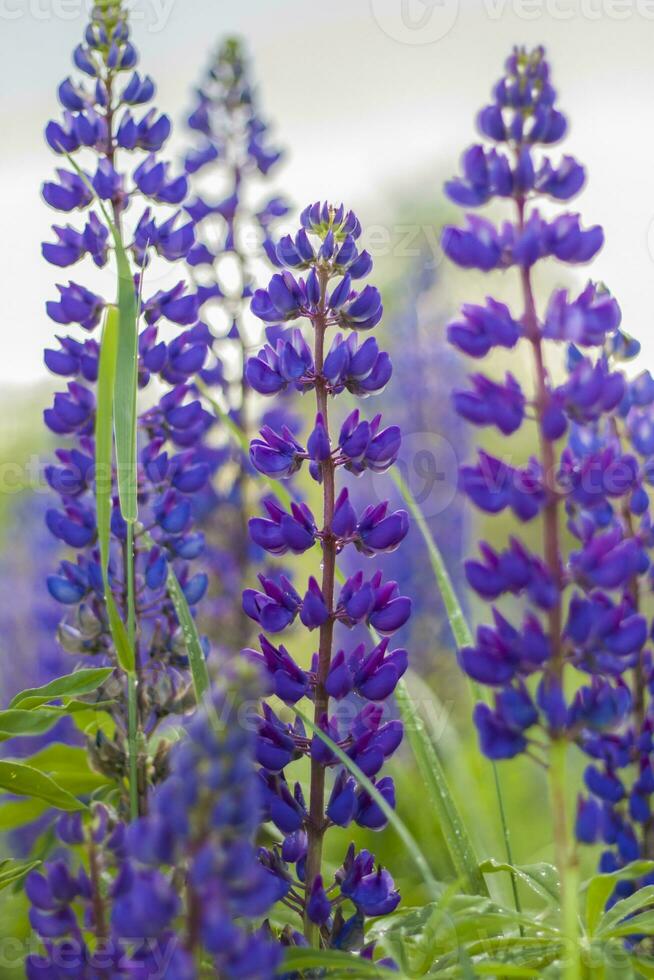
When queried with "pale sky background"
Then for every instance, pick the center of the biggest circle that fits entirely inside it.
(369, 106)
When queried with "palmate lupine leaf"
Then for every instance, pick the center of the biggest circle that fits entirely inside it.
(455, 833)
(613, 921)
(541, 878)
(600, 887)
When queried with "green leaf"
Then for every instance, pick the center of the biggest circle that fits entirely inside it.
(21, 780)
(16, 721)
(541, 878)
(613, 918)
(490, 968)
(438, 796)
(419, 937)
(396, 822)
(455, 616)
(643, 965)
(600, 887)
(126, 384)
(126, 377)
(300, 958)
(78, 683)
(14, 871)
(197, 659)
(637, 925)
(68, 765)
(103, 478)
(18, 813)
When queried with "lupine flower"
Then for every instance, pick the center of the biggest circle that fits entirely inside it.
(599, 478)
(99, 122)
(326, 249)
(228, 166)
(200, 831)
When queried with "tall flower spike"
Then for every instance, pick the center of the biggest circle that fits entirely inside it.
(116, 143)
(228, 167)
(327, 295)
(602, 634)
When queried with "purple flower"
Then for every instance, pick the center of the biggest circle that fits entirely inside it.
(587, 616)
(326, 263)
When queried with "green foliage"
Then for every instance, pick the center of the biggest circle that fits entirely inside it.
(20, 779)
(104, 480)
(68, 765)
(331, 962)
(439, 798)
(77, 684)
(12, 872)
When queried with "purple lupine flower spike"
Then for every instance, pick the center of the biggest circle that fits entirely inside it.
(324, 289)
(108, 128)
(229, 167)
(583, 602)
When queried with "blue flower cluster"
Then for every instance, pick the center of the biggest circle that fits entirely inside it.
(583, 607)
(327, 295)
(180, 884)
(118, 150)
(228, 167)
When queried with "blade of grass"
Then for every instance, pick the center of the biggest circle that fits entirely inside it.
(197, 661)
(103, 478)
(123, 640)
(240, 439)
(462, 636)
(126, 377)
(452, 825)
(403, 832)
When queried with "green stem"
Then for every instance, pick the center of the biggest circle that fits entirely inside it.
(566, 862)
